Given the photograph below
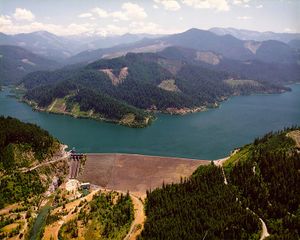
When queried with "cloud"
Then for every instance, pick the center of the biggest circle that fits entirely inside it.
(27, 27)
(155, 6)
(129, 11)
(244, 18)
(260, 6)
(133, 11)
(134, 27)
(23, 14)
(219, 5)
(4, 21)
(242, 3)
(289, 30)
(100, 12)
(85, 15)
(170, 5)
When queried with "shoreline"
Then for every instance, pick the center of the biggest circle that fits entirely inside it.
(148, 156)
(223, 159)
(149, 120)
(34, 107)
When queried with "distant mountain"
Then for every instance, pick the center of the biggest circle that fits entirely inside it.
(41, 43)
(295, 43)
(273, 73)
(227, 45)
(96, 42)
(62, 47)
(89, 48)
(16, 62)
(144, 45)
(125, 89)
(255, 35)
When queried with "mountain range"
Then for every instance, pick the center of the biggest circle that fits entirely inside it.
(16, 62)
(255, 35)
(59, 48)
(177, 74)
(227, 45)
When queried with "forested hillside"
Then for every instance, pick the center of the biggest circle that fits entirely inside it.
(268, 73)
(16, 62)
(175, 80)
(263, 180)
(107, 216)
(21, 146)
(270, 51)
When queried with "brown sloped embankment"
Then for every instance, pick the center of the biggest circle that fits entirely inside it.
(136, 173)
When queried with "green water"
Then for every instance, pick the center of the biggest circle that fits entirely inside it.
(207, 135)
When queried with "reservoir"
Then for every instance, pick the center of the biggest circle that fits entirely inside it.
(205, 135)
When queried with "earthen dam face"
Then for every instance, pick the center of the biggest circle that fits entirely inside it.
(136, 173)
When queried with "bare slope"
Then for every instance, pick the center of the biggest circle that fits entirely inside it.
(136, 173)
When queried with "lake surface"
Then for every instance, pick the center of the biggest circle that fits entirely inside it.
(206, 135)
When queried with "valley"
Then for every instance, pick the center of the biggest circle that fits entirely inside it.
(149, 120)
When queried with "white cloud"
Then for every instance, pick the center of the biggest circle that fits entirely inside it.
(219, 5)
(85, 15)
(4, 21)
(133, 11)
(289, 30)
(244, 18)
(73, 28)
(170, 5)
(155, 6)
(242, 3)
(130, 11)
(119, 15)
(134, 27)
(260, 6)
(100, 12)
(23, 14)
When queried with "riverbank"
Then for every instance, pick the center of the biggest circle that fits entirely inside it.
(128, 120)
(210, 134)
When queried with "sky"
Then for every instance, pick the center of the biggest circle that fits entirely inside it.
(116, 17)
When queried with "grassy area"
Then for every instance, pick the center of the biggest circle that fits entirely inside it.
(78, 113)
(242, 82)
(58, 105)
(169, 85)
(295, 135)
(240, 156)
(128, 119)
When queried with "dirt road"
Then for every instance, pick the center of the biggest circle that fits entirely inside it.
(139, 218)
(264, 232)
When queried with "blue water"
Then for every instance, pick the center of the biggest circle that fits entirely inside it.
(206, 135)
